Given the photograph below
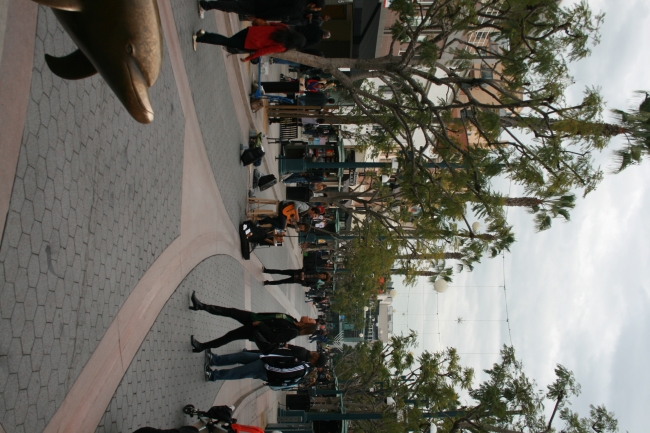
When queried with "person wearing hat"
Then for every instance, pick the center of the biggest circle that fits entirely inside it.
(296, 276)
(272, 368)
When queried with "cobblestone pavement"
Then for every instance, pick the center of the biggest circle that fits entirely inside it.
(215, 109)
(165, 375)
(96, 199)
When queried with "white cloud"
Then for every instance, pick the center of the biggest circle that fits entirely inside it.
(578, 294)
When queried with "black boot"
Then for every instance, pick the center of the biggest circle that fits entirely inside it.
(196, 346)
(196, 304)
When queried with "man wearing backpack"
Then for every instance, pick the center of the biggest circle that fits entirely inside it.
(277, 369)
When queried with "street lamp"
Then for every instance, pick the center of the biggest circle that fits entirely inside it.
(440, 285)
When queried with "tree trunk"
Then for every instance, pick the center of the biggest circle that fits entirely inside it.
(434, 256)
(523, 201)
(377, 64)
(573, 127)
(418, 273)
(468, 426)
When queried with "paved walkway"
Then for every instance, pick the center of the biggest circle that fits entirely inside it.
(111, 224)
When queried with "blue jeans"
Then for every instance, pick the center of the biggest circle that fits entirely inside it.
(286, 62)
(252, 368)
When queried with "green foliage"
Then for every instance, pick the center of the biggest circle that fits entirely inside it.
(504, 67)
(636, 124)
(367, 258)
(371, 371)
(507, 401)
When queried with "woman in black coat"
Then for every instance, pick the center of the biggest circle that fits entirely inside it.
(268, 329)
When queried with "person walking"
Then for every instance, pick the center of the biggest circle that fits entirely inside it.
(257, 40)
(272, 10)
(296, 276)
(268, 330)
(274, 369)
(313, 33)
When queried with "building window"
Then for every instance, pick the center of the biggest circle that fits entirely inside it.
(467, 113)
(481, 36)
(486, 72)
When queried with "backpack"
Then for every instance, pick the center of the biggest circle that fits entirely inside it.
(286, 384)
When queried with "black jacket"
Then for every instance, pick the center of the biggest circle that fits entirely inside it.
(282, 368)
(297, 352)
(277, 330)
(277, 10)
(312, 32)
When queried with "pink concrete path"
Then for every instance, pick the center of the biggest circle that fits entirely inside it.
(15, 79)
(205, 228)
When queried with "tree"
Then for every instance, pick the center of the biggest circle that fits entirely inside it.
(368, 257)
(515, 80)
(429, 387)
(636, 124)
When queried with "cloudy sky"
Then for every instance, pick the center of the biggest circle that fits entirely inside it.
(578, 294)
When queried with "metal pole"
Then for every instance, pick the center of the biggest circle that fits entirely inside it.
(286, 165)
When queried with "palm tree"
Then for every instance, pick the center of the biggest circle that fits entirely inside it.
(545, 209)
(432, 256)
(634, 124)
(637, 125)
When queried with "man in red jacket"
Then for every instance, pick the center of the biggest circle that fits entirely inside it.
(272, 10)
(258, 40)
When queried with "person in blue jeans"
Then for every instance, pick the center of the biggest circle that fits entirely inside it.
(252, 366)
(290, 362)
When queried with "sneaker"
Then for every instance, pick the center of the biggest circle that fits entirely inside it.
(201, 10)
(208, 375)
(208, 360)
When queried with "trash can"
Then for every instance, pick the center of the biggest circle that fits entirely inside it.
(298, 402)
(298, 193)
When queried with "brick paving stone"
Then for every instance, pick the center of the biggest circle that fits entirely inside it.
(89, 180)
(165, 375)
(96, 199)
(215, 108)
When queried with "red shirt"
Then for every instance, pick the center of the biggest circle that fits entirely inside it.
(259, 40)
(239, 428)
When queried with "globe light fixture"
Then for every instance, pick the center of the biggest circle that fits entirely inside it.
(440, 285)
(476, 226)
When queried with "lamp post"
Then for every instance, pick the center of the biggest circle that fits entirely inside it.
(302, 416)
(286, 165)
